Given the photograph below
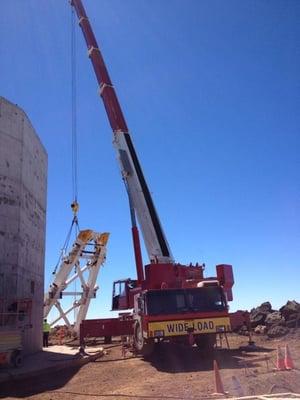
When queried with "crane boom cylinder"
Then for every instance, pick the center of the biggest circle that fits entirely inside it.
(136, 242)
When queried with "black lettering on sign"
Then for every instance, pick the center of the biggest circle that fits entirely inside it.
(186, 326)
(180, 327)
(205, 325)
(170, 327)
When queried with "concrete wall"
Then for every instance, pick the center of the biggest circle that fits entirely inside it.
(23, 190)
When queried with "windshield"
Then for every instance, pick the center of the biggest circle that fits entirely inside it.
(185, 300)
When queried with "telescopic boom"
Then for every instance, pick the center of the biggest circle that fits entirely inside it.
(140, 198)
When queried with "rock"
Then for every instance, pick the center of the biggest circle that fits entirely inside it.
(277, 331)
(243, 330)
(265, 320)
(294, 316)
(293, 321)
(291, 307)
(274, 318)
(259, 314)
(265, 307)
(257, 318)
(260, 329)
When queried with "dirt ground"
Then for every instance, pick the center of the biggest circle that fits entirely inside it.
(171, 373)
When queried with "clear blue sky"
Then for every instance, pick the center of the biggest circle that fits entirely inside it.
(210, 90)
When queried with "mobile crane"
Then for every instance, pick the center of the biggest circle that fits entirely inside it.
(170, 301)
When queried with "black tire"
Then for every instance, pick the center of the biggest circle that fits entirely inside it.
(140, 344)
(107, 339)
(206, 343)
(17, 359)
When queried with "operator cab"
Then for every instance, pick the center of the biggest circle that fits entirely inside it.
(123, 292)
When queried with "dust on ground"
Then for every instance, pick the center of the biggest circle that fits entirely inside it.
(173, 372)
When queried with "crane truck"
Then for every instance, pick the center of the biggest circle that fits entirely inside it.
(170, 301)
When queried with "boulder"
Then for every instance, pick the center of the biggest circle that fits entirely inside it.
(294, 316)
(291, 307)
(277, 331)
(260, 329)
(243, 330)
(265, 307)
(274, 318)
(265, 320)
(257, 318)
(293, 321)
(259, 314)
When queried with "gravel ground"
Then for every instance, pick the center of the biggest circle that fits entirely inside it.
(172, 373)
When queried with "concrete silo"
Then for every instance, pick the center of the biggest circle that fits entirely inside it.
(23, 190)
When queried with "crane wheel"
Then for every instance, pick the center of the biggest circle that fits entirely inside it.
(16, 359)
(206, 343)
(140, 344)
(107, 339)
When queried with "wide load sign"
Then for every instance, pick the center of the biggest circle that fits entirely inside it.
(197, 326)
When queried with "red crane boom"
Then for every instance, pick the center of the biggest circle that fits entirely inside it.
(107, 91)
(140, 198)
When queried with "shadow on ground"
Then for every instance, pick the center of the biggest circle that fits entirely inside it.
(33, 386)
(21, 384)
(175, 358)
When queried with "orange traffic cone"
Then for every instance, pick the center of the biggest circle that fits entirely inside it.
(288, 361)
(280, 364)
(218, 382)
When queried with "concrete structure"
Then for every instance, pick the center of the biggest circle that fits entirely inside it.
(23, 183)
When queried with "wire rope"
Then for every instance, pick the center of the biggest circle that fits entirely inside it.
(66, 244)
(74, 108)
(74, 151)
(74, 205)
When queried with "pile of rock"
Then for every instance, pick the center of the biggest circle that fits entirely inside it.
(265, 320)
(60, 333)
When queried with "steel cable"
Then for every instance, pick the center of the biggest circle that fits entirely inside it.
(74, 108)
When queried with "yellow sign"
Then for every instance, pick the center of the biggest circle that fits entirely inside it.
(181, 327)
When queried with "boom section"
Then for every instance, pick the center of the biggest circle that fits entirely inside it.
(155, 240)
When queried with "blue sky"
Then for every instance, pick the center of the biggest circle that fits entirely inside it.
(210, 90)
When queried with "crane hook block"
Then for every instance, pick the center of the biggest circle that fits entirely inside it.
(75, 207)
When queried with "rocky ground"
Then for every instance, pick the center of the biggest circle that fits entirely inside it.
(172, 373)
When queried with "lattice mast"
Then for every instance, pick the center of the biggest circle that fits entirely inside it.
(87, 255)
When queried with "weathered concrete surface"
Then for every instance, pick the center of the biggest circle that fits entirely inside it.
(53, 358)
(23, 190)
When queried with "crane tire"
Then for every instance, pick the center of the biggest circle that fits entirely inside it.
(206, 342)
(107, 339)
(17, 359)
(140, 344)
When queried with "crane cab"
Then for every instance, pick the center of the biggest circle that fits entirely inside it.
(123, 294)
